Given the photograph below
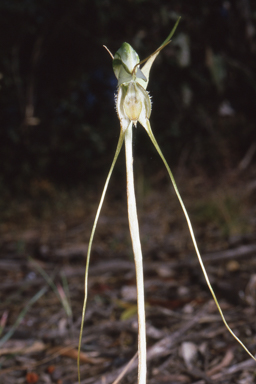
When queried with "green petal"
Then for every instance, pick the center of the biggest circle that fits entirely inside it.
(150, 60)
(125, 59)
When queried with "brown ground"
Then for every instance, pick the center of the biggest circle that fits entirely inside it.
(42, 263)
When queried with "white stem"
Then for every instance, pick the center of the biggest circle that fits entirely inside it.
(135, 236)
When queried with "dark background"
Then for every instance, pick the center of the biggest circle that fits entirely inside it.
(58, 123)
(58, 134)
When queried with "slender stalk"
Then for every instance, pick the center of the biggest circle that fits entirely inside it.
(135, 236)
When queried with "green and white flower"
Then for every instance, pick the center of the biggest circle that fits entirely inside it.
(133, 105)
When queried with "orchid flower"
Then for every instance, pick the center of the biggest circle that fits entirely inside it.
(133, 105)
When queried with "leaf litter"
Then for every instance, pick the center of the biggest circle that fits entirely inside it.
(187, 341)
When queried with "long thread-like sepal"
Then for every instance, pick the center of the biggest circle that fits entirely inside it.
(152, 137)
(118, 148)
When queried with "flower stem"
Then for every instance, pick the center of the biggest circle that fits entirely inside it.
(135, 236)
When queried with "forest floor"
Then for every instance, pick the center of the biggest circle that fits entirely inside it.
(42, 261)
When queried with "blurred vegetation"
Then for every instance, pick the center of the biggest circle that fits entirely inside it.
(58, 121)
